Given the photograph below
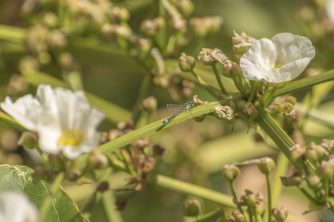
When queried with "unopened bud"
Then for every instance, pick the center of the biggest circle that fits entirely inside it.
(119, 14)
(241, 42)
(328, 144)
(186, 7)
(152, 26)
(211, 56)
(231, 172)
(266, 165)
(249, 198)
(158, 150)
(317, 152)
(294, 180)
(186, 63)
(237, 217)
(150, 104)
(97, 160)
(297, 152)
(225, 113)
(192, 207)
(247, 110)
(326, 169)
(28, 140)
(280, 215)
(57, 39)
(206, 25)
(314, 182)
(116, 31)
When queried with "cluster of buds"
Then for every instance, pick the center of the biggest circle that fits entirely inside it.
(202, 27)
(314, 169)
(284, 105)
(240, 44)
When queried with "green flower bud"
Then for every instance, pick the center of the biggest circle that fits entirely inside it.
(186, 63)
(314, 182)
(186, 7)
(97, 160)
(237, 217)
(266, 165)
(326, 169)
(192, 207)
(120, 14)
(294, 180)
(280, 215)
(231, 172)
(150, 104)
(297, 152)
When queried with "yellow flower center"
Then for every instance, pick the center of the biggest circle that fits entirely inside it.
(70, 138)
(276, 66)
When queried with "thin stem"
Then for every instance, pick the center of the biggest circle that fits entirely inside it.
(188, 188)
(110, 208)
(48, 200)
(204, 84)
(220, 83)
(269, 197)
(234, 194)
(309, 196)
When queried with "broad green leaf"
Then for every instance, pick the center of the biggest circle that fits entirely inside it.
(19, 178)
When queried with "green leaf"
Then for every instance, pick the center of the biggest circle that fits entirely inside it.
(19, 178)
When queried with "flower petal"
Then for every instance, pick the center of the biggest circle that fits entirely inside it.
(25, 110)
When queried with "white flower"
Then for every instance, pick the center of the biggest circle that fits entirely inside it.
(280, 59)
(63, 120)
(329, 6)
(16, 207)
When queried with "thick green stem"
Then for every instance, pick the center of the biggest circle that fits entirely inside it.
(110, 208)
(48, 200)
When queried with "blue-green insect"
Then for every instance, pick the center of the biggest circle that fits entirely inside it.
(176, 109)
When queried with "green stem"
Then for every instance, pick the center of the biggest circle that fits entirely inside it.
(276, 133)
(298, 85)
(309, 196)
(202, 83)
(220, 83)
(110, 208)
(234, 194)
(52, 192)
(269, 197)
(188, 188)
(282, 167)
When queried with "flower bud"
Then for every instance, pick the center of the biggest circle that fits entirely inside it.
(206, 25)
(314, 182)
(294, 180)
(224, 112)
(192, 207)
(211, 56)
(50, 20)
(57, 39)
(186, 63)
(186, 7)
(150, 104)
(116, 31)
(119, 14)
(152, 26)
(328, 144)
(97, 160)
(326, 169)
(247, 110)
(280, 215)
(237, 217)
(249, 198)
(28, 140)
(297, 152)
(266, 165)
(241, 42)
(231, 172)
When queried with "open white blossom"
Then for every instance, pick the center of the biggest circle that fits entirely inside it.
(329, 6)
(16, 207)
(63, 120)
(279, 59)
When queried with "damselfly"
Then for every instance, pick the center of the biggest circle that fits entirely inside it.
(176, 109)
